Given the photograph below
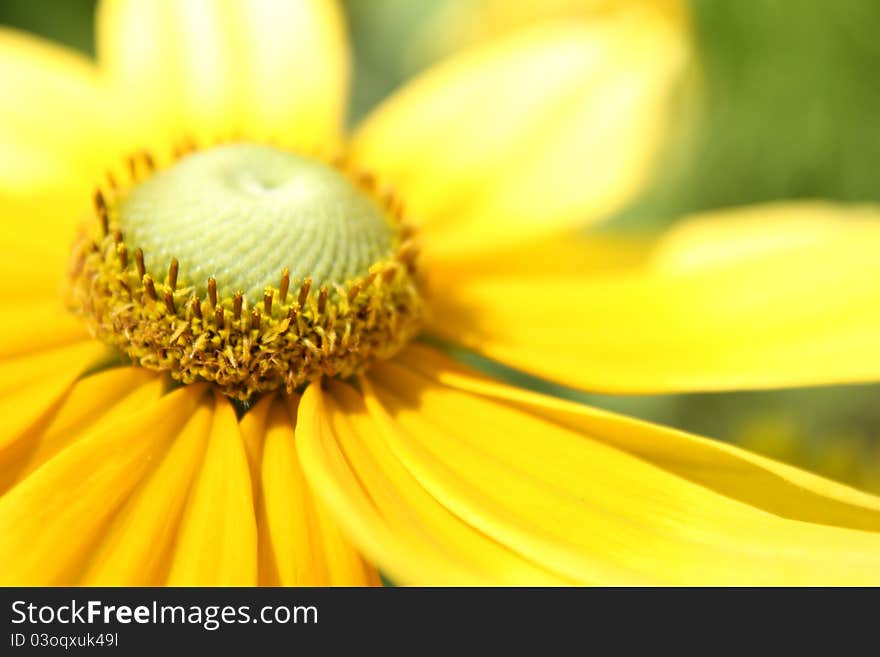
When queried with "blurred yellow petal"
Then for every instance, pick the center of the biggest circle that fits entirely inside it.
(770, 296)
(547, 129)
(136, 548)
(456, 24)
(217, 540)
(209, 69)
(50, 521)
(91, 402)
(560, 495)
(56, 122)
(37, 235)
(28, 329)
(549, 257)
(28, 274)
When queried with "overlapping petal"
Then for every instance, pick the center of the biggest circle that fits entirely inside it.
(90, 402)
(546, 129)
(52, 519)
(351, 464)
(158, 490)
(299, 543)
(42, 352)
(216, 543)
(557, 495)
(205, 69)
(770, 296)
(139, 543)
(760, 482)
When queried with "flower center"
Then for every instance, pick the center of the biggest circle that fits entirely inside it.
(248, 266)
(243, 212)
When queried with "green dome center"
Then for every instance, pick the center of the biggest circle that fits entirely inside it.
(241, 213)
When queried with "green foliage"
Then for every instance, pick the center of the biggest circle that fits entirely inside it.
(67, 21)
(790, 108)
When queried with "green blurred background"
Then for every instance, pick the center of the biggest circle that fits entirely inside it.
(791, 109)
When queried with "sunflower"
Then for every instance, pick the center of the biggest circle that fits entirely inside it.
(222, 357)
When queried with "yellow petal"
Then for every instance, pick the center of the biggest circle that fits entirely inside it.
(207, 69)
(253, 433)
(217, 540)
(460, 23)
(546, 129)
(760, 482)
(32, 384)
(28, 274)
(765, 297)
(136, 548)
(37, 234)
(28, 329)
(560, 495)
(345, 565)
(50, 521)
(306, 545)
(397, 492)
(400, 548)
(91, 402)
(290, 514)
(57, 126)
(549, 258)
(297, 543)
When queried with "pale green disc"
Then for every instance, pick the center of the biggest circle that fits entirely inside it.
(243, 212)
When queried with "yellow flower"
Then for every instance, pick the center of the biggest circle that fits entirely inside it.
(435, 473)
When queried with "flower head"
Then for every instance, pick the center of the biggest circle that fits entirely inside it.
(249, 251)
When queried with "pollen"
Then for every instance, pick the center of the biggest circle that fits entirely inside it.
(247, 266)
